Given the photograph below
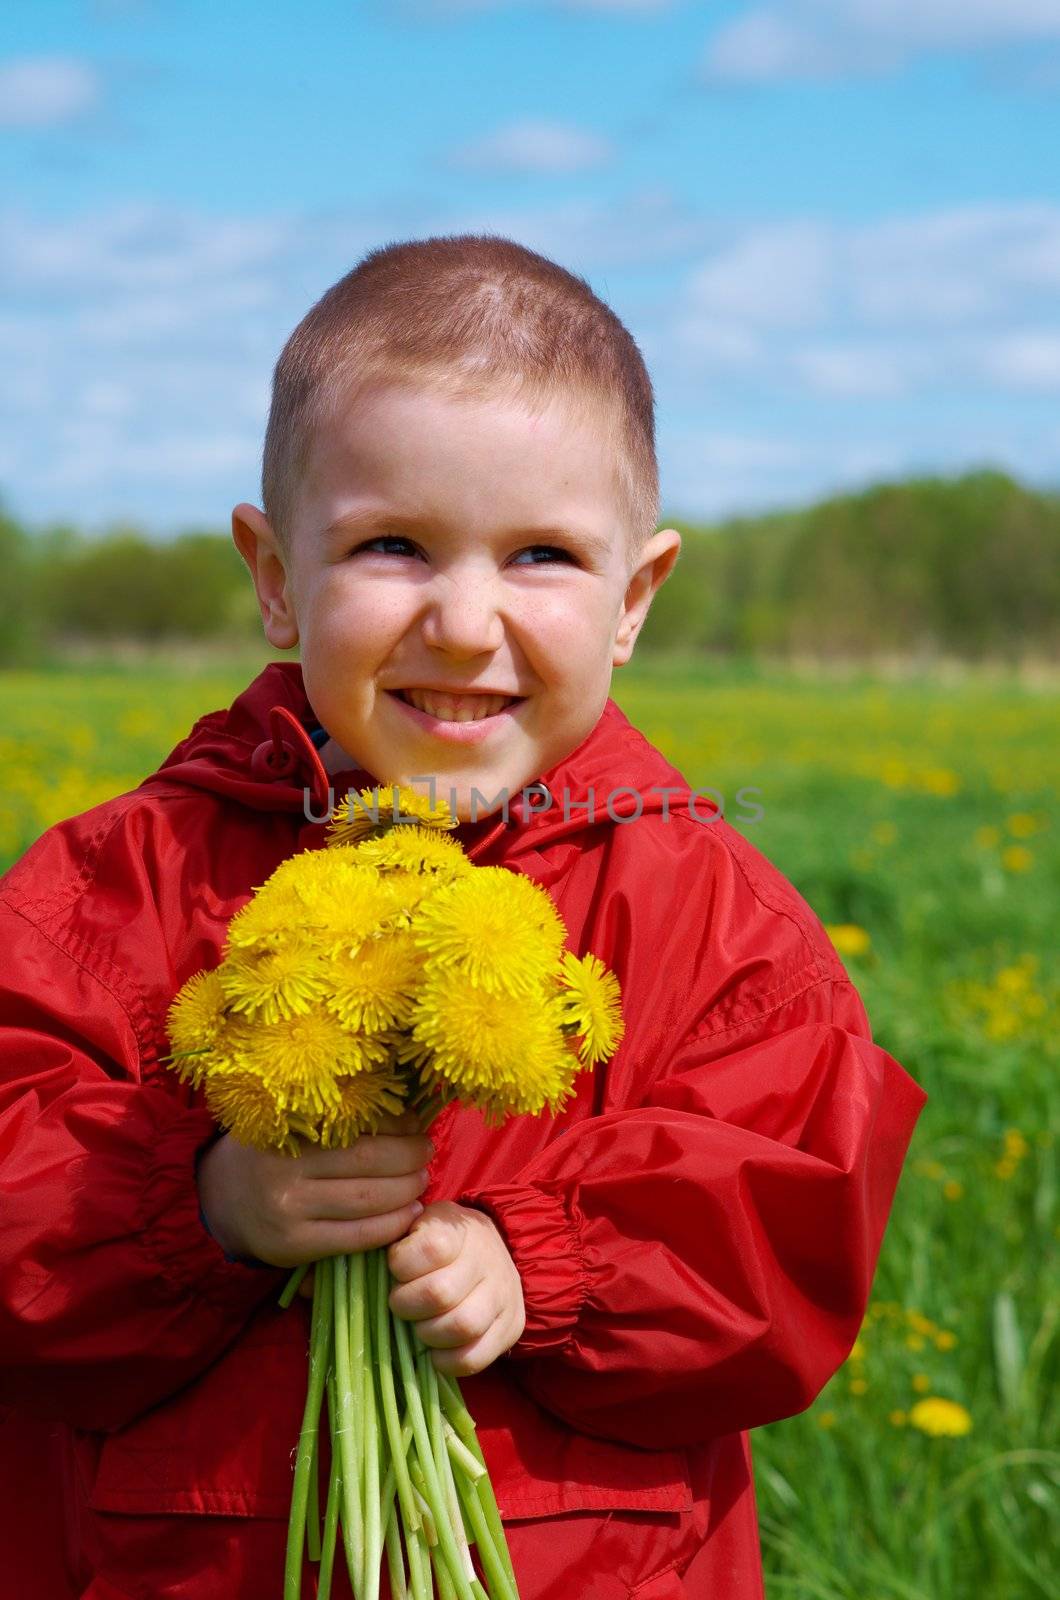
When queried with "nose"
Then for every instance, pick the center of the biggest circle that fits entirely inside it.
(463, 617)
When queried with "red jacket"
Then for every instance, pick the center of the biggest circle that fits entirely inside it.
(696, 1233)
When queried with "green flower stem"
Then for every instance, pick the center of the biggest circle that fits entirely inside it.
(460, 1454)
(462, 1420)
(443, 1467)
(347, 1419)
(409, 1509)
(393, 1540)
(319, 1350)
(364, 1279)
(312, 1526)
(423, 1452)
(501, 1588)
(419, 1486)
(419, 1562)
(290, 1288)
(331, 1515)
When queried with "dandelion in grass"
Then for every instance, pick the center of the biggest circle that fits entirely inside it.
(372, 988)
(375, 810)
(590, 1005)
(494, 929)
(273, 985)
(194, 1021)
(941, 1418)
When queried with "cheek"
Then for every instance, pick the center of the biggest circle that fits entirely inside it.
(358, 619)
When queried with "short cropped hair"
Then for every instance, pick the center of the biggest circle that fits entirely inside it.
(471, 314)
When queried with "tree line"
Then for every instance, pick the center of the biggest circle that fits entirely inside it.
(966, 567)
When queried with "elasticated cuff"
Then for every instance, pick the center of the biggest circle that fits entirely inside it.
(170, 1225)
(545, 1243)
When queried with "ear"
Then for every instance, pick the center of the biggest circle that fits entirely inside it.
(260, 548)
(655, 563)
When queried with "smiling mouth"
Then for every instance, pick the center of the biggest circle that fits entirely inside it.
(474, 707)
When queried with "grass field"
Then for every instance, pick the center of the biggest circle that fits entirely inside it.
(919, 822)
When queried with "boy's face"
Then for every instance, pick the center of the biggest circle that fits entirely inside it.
(460, 579)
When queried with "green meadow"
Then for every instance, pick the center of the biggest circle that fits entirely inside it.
(918, 819)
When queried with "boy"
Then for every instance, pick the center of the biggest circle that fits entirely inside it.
(460, 500)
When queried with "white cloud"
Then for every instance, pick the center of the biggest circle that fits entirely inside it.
(46, 91)
(534, 147)
(137, 344)
(1029, 361)
(904, 306)
(822, 39)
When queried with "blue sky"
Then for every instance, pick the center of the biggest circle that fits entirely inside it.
(832, 225)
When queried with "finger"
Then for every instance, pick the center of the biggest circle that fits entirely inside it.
(433, 1295)
(461, 1324)
(347, 1238)
(435, 1241)
(373, 1155)
(468, 1359)
(344, 1199)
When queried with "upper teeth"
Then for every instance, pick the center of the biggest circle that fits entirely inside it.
(456, 707)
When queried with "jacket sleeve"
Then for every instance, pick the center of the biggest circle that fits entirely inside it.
(701, 1263)
(113, 1295)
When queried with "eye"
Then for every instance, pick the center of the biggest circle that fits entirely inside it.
(390, 540)
(540, 553)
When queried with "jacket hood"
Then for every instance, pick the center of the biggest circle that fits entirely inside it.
(260, 753)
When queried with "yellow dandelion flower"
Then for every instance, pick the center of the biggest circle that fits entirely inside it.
(859, 1385)
(953, 1189)
(590, 1004)
(374, 810)
(273, 984)
(374, 987)
(940, 1418)
(1022, 825)
(302, 1057)
(1016, 858)
(1005, 1168)
(848, 938)
(250, 1110)
(195, 1018)
(826, 1419)
(362, 1099)
(914, 1341)
(498, 1054)
(921, 1382)
(941, 781)
(897, 1419)
(1016, 1145)
(945, 1340)
(857, 1351)
(415, 850)
(338, 903)
(493, 928)
(266, 920)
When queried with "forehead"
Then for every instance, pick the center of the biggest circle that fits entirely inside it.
(483, 458)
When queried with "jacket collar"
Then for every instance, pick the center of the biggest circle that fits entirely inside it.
(260, 753)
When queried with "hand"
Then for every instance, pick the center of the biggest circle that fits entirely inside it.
(286, 1210)
(459, 1285)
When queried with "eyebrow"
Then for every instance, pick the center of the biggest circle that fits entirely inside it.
(370, 518)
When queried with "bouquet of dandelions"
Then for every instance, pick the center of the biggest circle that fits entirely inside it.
(388, 973)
